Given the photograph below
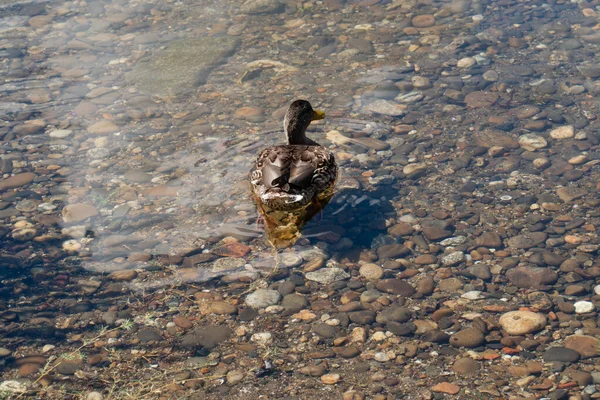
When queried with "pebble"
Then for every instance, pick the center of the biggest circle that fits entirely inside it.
(327, 275)
(532, 142)
(371, 271)
(446, 387)
(560, 354)
(103, 127)
(60, 133)
(234, 377)
(522, 322)
(78, 212)
(423, 21)
(562, 132)
(469, 338)
(453, 258)
(466, 62)
(386, 107)
(223, 308)
(263, 298)
(123, 276)
(262, 338)
(583, 307)
(330, 379)
(585, 346)
(17, 181)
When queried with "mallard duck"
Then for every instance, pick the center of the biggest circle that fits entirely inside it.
(293, 182)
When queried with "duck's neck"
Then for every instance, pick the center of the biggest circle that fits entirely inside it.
(296, 134)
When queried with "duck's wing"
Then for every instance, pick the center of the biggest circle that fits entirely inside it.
(293, 168)
(274, 166)
(309, 164)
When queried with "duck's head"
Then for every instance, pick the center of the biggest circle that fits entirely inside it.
(297, 119)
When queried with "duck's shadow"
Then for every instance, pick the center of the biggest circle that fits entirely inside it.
(354, 214)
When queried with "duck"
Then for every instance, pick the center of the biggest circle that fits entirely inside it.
(293, 182)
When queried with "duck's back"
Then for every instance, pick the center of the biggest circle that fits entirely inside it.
(290, 176)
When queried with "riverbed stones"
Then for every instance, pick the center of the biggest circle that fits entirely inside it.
(522, 322)
(464, 140)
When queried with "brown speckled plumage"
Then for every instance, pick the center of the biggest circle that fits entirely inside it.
(289, 177)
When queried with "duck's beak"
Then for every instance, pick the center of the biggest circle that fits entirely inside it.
(318, 114)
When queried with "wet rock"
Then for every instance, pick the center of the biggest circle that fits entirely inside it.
(395, 286)
(489, 239)
(347, 351)
(584, 307)
(437, 229)
(234, 377)
(522, 322)
(560, 354)
(385, 107)
(531, 277)
(262, 6)
(331, 379)
(453, 258)
(480, 99)
(17, 181)
(493, 138)
(371, 271)
(423, 21)
(394, 313)
(568, 194)
(223, 308)
(446, 387)
(103, 127)
(78, 212)
(207, 337)
(137, 176)
(325, 331)
(401, 229)
(585, 346)
(294, 302)
(327, 275)
(532, 142)
(527, 240)
(149, 335)
(67, 368)
(465, 366)
(263, 298)
(469, 338)
(562, 132)
(364, 317)
(123, 276)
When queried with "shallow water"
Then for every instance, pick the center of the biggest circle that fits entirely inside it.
(146, 116)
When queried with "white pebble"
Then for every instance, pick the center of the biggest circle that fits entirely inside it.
(263, 338)
(582, 307)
